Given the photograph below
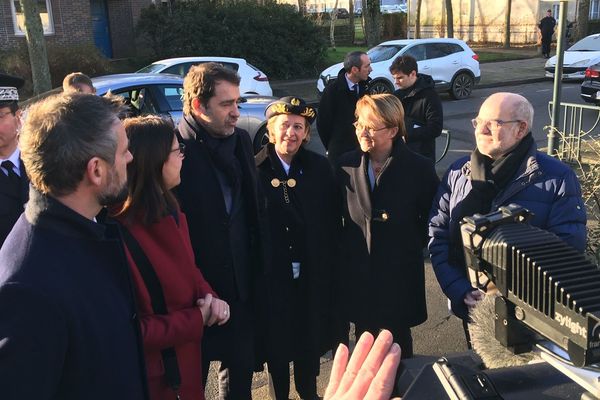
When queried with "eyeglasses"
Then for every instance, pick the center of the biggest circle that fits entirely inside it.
(180, 149)
(361, 128)
(493, 124)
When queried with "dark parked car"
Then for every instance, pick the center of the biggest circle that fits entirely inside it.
(590, 88)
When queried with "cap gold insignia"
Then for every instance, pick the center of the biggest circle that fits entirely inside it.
(384, 216)
(295, 102)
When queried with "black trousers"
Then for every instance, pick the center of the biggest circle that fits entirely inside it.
(546, 41)
(402, 336)
(305, 380)
(306, 366)
(233, 345)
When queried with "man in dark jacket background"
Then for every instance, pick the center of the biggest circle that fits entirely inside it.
(546, 27)
(68, 325)
(337, 105)
(14, 185)
(423, 113)
(218, 193)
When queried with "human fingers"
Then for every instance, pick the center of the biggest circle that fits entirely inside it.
(361, 350)
(382, 385)
(340, 361)
(371, 365)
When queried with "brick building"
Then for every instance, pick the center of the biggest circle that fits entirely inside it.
(109, 24)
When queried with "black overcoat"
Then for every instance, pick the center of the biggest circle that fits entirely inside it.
(68, 319)
(12, 201)
(201, 199)
(383, 237)
(336, 116)
(316, 199)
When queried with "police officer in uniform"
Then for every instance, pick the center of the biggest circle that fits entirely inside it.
(14, 185)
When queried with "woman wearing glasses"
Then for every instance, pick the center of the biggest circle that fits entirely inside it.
(174, 301)
(387, 193)
(304, 220)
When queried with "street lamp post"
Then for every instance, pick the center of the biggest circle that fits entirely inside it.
(558, 69)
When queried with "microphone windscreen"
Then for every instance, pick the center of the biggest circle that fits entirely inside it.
(483, 338)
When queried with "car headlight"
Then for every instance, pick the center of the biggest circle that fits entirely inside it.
(549, 64)
(582, 63)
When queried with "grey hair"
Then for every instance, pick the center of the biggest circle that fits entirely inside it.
(353, 59)
(523, 110)
(61, 134)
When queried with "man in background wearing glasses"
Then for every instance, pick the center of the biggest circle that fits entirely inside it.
(505, 168)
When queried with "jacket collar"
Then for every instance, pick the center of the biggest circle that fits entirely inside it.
(528, 169)
(47, 212)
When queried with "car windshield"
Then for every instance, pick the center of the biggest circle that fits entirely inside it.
(151, 68)
(591, 43)
(384, 52)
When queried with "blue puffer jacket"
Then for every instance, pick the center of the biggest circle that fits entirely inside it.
(542, 184)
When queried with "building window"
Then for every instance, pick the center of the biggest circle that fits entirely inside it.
(595, 9)
(45, 14)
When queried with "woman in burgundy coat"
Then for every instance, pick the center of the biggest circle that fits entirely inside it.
(152, 216)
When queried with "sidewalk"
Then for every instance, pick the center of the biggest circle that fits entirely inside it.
(493, 74)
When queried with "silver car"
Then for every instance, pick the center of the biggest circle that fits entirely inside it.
(161, 94)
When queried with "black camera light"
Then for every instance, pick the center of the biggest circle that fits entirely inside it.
(546, 285)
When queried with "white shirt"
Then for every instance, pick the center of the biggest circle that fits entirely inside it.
(286, 166)
(15, 159)
(350, 83)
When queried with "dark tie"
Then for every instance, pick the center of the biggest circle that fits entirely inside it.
(355, 88)
(15, 180)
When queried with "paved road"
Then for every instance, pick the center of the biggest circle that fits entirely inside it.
(440, 335)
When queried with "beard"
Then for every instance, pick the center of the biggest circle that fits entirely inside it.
(115, 192)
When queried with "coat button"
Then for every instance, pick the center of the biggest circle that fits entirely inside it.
(287, 229)
(133, 316)
(290, 247)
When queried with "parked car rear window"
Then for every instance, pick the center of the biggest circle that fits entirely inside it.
(173, 95)
(383, 52)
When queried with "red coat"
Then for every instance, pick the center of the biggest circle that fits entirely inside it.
(167, 246)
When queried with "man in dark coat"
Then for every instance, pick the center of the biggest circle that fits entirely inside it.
(547, 26)
(423, 113)
(14, 185)
(218, 193)
(68, 325)
(336, 109)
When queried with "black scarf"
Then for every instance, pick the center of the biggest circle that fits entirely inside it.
(222, 152)
(488, 178)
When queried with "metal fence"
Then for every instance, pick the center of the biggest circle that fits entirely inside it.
(576, 122)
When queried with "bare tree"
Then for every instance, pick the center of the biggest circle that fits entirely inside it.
(449, 19)
(36, 46)
(351, 20)
(372, 22)
(302, 7)
(507, 24)
(332, 24)
(583, 16)
(417, 20)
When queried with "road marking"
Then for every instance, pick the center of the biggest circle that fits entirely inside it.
(543, 90)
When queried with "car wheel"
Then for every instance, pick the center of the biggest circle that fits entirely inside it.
(261, 139)
(462, 86)
(380, 86)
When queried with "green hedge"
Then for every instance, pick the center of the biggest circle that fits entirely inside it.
(273, 37)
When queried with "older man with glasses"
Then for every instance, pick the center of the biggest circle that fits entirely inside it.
(505, 168)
